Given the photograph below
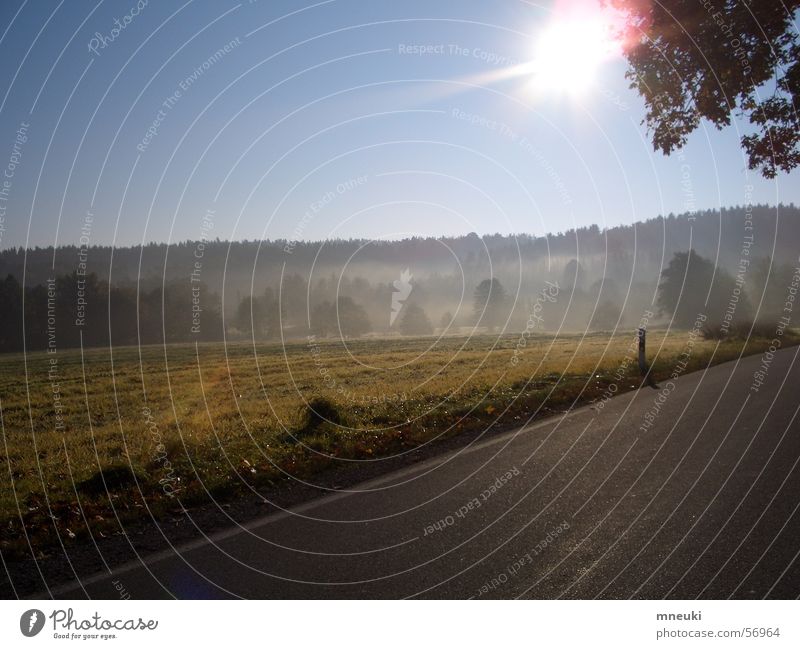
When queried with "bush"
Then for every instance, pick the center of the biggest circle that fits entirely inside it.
(713, 332)
(317, 412)
(759, 330)
(115, 478)
(738, 331)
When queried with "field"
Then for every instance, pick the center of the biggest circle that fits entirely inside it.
(95, 437)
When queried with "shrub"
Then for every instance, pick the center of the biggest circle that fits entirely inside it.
(317, 412)
(743, 331)
(738, 331)
(712, 332)
(113, 478)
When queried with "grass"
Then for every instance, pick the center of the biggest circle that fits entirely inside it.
(143, 427)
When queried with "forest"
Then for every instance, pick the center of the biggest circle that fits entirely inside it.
(594, 280)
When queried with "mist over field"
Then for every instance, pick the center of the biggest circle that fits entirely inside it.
(210, 290)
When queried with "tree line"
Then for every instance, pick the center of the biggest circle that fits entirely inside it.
(252, 266)
(70, 310)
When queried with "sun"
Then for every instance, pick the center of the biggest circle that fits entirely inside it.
(570, 50)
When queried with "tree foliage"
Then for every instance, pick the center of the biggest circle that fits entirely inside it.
(259, 317)
(771, 288)
(573, 274)
(344, 318)
(415, 322)
(692, 285)
(74, 310)
(490, 302)
(709, 59)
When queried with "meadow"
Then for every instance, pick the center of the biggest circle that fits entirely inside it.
(94, 439)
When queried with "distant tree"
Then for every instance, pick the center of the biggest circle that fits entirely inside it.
(122, 319)
(94, 324)
(10, 314)
(490, 302)
(173, 312)
(293, 298)
(352, 318)
(608, 288)
(323, 319)
(686, 282)
(273, 314)
(772, 279)
(259, 316)
(36, 317)
(694, 60)
(606, 315)
(573, 274)
(250, 315)
(415, 322)
(345, 318)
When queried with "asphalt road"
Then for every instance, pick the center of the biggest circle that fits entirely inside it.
(702, 503)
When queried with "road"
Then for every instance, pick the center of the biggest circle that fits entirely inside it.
(594, 504)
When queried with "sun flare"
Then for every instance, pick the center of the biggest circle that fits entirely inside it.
(570, 50)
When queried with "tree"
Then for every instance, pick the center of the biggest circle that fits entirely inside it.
(273, 313)
(608, 288)
(490, 300)
(573, 274)
(175, 310)
(10, 315)
(415, 322)
(692, 285)
(352, 318)
(250, 316)
(323, 319)
(345, 318)
(706, 60)
(259, 316)
(122, 321)
(293, 298)
(605, 316)
(773, 280)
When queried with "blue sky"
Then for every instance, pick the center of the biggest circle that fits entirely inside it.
(318, 122)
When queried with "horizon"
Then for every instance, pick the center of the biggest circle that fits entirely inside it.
(529, 235)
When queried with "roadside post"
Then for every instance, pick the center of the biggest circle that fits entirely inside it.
(644, 369)
(642, 359)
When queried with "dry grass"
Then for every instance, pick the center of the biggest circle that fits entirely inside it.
(220, 419)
